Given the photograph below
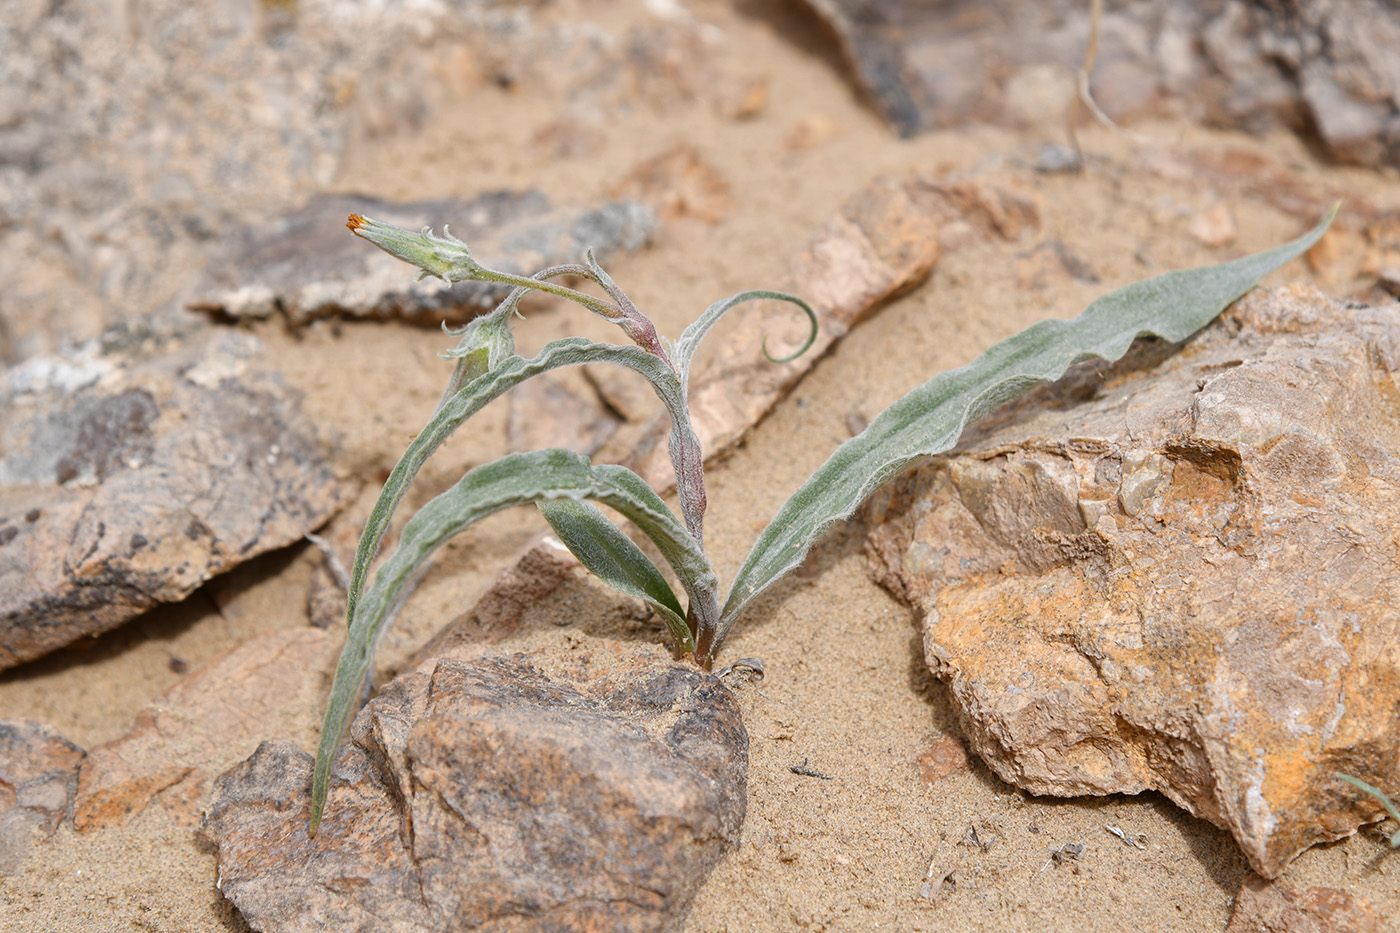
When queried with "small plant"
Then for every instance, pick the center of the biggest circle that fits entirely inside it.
(1385, 801)
(929, 420)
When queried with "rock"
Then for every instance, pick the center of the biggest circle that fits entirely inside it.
(307, 265)
(112, 188)
(38, 777)
(487, 794)
(548, 412)
(1273, 907)
(1324, 68)
(114, 192)
(1175, 574)
(534, 574)
(201, 726)
(944, 755)
(884, 242)
(678, 183)
(131, 473)
(1051, 261)
(1214, 226)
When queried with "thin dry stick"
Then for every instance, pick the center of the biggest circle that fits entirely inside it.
(1086, 94)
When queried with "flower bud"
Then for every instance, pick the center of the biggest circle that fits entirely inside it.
(444, 256)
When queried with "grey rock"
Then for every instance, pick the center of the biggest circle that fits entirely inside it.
(131, 135)
(1176, 574)
(489, 795)
(1326, 67)
(134, 137)
(132, 472)
(307, 265)
(38, 780)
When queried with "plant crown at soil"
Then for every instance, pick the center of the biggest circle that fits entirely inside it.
(1385, 801)
(563, 485)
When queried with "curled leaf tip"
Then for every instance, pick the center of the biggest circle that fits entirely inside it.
(781, 359)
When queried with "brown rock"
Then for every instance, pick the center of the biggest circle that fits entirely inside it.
(202, 725)
(306, 265)
(884, 242)
(1214, 226)
(488, 795)
(548, 412)
(38, 777)
(1175, 574)
(535, 573)
(1265, 906)
(944, 755)
(678, 183)
(130, 475)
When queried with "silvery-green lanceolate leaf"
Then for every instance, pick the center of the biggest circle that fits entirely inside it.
(474, 396)
(931, 418)
(612, 557)
(517, 479)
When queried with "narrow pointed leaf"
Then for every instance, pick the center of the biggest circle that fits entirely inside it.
(517, 479)
(931, 418)
(474, 396)
(612, 557)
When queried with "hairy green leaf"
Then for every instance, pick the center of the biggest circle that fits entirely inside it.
(474, 396)
(931, 418)
(517, 479)
(612, 557)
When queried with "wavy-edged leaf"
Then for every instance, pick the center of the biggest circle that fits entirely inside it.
(931, 418)
(474, 396)
(612, 557)
(517, 479)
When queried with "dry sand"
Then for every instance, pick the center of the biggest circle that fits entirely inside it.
(846, 691)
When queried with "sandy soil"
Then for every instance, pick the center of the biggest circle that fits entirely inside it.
(846, 691)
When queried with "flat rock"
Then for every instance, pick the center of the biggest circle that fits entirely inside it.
(1177, 574)
(488, 794)
(203, 725)
(38, 778)
(306, 265)
(1325, 67)
(133, 471)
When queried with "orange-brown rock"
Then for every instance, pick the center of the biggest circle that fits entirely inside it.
(488, 795)
(199, 727)
(1274, 907)
(1179, 574)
